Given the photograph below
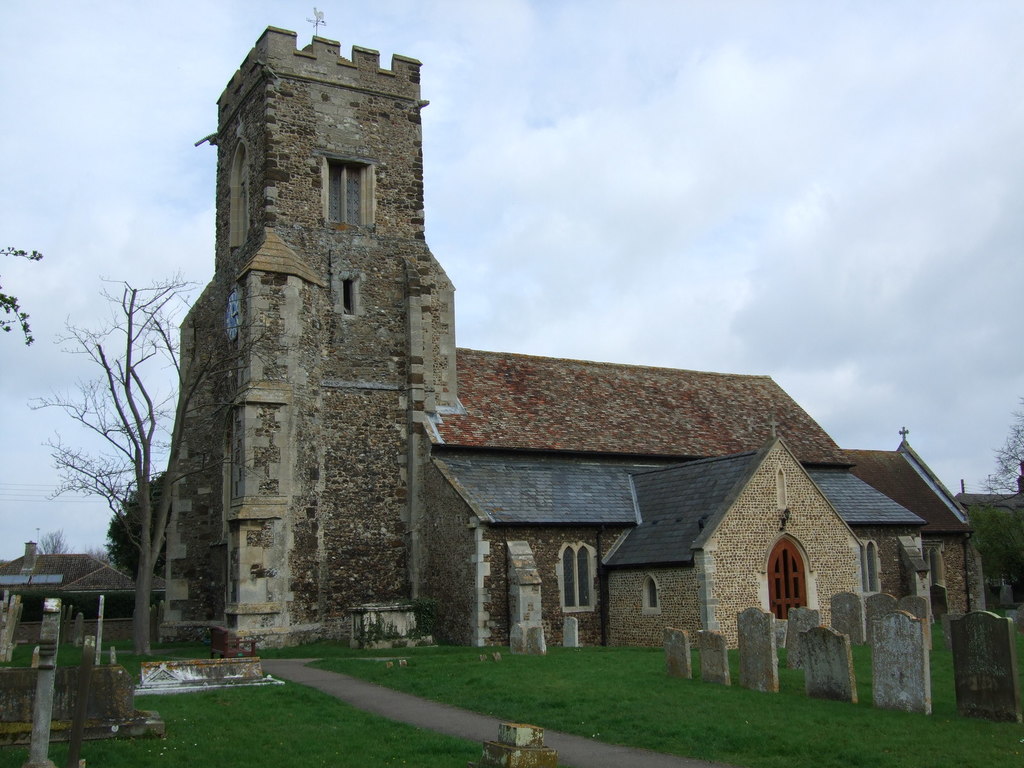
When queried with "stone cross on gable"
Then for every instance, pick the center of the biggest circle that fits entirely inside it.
(904, 432)
(773, 425)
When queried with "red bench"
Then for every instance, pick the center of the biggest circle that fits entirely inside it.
(225, 645)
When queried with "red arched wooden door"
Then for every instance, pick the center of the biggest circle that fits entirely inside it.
(786, 583)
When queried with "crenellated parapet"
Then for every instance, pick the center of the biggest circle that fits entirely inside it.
(276, 54)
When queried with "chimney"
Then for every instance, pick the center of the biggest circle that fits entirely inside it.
(28, 564)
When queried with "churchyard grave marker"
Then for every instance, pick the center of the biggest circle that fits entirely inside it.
(875, 607)
(800, 620)
(900, 672)
(678, 661)
(985, 667)
(920, 608)
(535, 643)
(848, 616)
(828, 665)
(759, 661)
(714, 657)
(570, 632)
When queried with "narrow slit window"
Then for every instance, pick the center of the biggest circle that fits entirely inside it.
(348, 296)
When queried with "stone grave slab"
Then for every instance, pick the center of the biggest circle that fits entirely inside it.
(536, 645)
(518, 746)
(848, 616)
(875, 607)
(920, 608)
(678, 661)
(800, 620)
(191, 675)
(759, 661)
(517, 639)
(571, 632)
(900, 673)
(985, 672)
(714, 657)
(828, 665)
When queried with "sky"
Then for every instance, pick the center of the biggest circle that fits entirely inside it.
(828, 193)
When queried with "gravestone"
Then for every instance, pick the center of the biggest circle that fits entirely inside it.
(570, 632)
(875, 607)
(1006, 594)
(759, 661)
(78, 635)
(678, 662)
(848, 616)
(10, 615)
(99, 631)
(985, 667)
(947, 635)
(188, 675)
(42, 715)
(920, 608)
(800, 620)
(828, 665)
(518, 746)
(535, 643)
(900, 673)
(517, 639)
(939, 600)
(714, 657)
(781, 631)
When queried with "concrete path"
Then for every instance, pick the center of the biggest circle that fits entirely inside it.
(572, 750)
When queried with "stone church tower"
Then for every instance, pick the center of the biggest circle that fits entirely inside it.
(328, 339)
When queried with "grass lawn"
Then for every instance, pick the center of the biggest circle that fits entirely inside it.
(622, 695)
(619, 695)
(275, 726)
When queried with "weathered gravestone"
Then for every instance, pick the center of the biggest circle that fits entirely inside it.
(828, 665)
(947, 635)
(759, 661)
(535, 643)
(985, 667)
(939, 600)
(46, 662)
(714, 657)
(10, 615)
(678, 662)
(920, 608)
(1006, 594)
(848, 616)
(781, 631)
(900, 675)
(517, 639)
(518, 746)
(875, 607)
(188, 675)
(78, 635)
(571, 632)
(800, 620)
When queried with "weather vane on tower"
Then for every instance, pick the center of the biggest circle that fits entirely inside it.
(317, 20)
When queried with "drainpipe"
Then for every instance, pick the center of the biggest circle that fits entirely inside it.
(602, 588)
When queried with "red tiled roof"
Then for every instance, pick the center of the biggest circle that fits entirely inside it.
(892, 473)
(541, 403)
(79, 572)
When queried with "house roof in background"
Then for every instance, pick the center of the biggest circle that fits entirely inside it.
(541, 403)
(68, 573)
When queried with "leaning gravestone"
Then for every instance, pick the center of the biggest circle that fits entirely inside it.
(677, 653)
(985, 667)
(517, 639)
(828, 665)
(759, 661)
(714, 657)
(535, 643)
(848, 616)
(571, 632)
(800, 620)
(875, 607)
(920, 608)
(900, 676)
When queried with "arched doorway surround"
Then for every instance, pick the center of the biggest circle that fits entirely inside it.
(787, 580)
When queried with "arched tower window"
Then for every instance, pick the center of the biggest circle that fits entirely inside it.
(238, 225)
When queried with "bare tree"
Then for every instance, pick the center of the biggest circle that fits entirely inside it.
(54, 543)
(136, 405)
(1010, 458)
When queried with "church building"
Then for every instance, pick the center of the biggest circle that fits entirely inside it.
(343, 456)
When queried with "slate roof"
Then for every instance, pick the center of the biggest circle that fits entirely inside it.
(543, 490)
(904, 479)
(677, 503)
(858, 503)
(540, 403)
